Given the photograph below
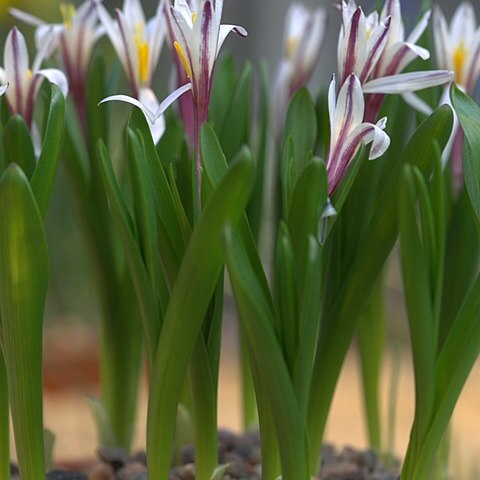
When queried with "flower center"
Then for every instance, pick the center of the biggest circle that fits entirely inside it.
(194, 17)
(29, 74)
(459, 56)
(183, 58)
(291, 47)
(68, 12)
(143, 51)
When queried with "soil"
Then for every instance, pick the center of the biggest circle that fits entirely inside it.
(241, 453)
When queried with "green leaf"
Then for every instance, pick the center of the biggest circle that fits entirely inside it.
(219, 472)
(19, 147)
(222, 88)
(49, 442)
(301, 124)
(288, 174)
(468, 115)
(196, 282)
(234, 131)
(46, 169)
(24, 272)
(106, 437)
(124, 223)
(256, 314)
(4, 419)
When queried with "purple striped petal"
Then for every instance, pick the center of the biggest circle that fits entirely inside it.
(225, 30)
(53, 75)
(375, 47)
(463, 22)
(408, 82)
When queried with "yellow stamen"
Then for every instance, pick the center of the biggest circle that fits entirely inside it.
(194, 17)
(29, 74)
(291, 47)
(143, 53)
(459, 56)
(68, 12)
(183, 59)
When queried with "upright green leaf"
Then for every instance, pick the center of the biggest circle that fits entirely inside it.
(46, 169)
(196, 282)
(24, 272)
(4, 419)
(19, 147)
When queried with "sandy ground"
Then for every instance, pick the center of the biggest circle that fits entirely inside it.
(67, 413)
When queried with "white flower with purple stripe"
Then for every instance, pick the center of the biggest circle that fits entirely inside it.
(199, 36)
(24, 82)
(348, 131)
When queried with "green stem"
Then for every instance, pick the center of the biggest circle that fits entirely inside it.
(249, 404)
(4, 425)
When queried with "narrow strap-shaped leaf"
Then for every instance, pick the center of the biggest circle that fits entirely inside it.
(145, 296)
(189, 301)
(144, 206)
(46, 169)
(4, 420)
(468, 114)
(254, 312)
(24, 273)
(288, 173)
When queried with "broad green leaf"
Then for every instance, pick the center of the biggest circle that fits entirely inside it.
(123, 221)
(468, 115)
(222, 88)
(19, 147)
(46, 169)
(24, 273)
(255, 315)
(301, 124)
(196, 282)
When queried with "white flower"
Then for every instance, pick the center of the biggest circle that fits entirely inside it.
(199, 36)
(24, 82)
(303, 39)
(458, 48)
(138, 43)
(348, 130)
(74, 38)
(375, 49)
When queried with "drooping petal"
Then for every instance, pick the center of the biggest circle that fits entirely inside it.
(53, 75)
(171, 98)
(132, 101)
(378, 138)
(224, 32)
(408, 82)
(3, 89)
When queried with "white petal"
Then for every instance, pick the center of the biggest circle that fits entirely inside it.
(48, 35)
(379, 139)
(441, 39)
(417, 103)
(3, 89)
(133, 11)
(332, 103)
(182, 8)
(218, 10)
(3, 76)
(113, 33)
(25, 17)
(417, 32)
(155, 37)
(408, 82)
(16, 56)
(171, 98)
(225, 30)
(46, 48)
(132, 101)
(149, 100)
(53, 75)
(463, 22)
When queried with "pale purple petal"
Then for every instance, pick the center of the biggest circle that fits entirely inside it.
(53, 75)
(16, 56)
(408, 82)
(417, 103)
(48, 34)
(25, 17)
(375, 46)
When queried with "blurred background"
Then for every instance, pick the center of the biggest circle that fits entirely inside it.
(72, 311)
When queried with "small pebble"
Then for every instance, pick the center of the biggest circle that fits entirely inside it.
(116, 457)
(65, 475)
